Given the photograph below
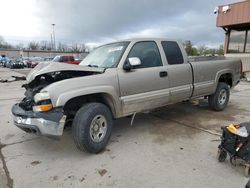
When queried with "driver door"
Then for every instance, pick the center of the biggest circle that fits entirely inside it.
(145, 86)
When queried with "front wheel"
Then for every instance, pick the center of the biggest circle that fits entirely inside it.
(219, 100)
(92, 127)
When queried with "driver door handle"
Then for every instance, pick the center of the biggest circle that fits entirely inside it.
(163, 73)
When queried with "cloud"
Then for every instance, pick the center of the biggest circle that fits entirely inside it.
(105, 20)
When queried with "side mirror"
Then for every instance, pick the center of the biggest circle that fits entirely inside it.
(131, 62)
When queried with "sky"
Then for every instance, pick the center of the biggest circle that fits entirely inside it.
(101, 21)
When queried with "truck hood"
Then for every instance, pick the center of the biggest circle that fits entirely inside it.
(50, 67)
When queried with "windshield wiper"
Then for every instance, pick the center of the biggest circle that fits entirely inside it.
(92, 66)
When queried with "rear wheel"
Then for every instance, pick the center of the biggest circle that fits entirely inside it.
(92, 127)
(219, 100)
(221, 155)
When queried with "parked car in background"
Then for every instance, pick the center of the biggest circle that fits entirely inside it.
(34, 61)
(6, 64)
(15, 64)
(48, 58)
(4, 60)
(25, 61)
(1, 58)
(66, 59)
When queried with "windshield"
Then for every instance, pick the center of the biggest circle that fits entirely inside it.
(56, 59)
(106, 56)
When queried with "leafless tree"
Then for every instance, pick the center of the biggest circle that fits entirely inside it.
(43, 45)
(33, 45)
(62, 47)
(75, 48)
(4, 44)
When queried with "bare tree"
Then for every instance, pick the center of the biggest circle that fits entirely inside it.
(75, 48)
(19, 46)
(82, 47)
(62, 47)
(4, 44)
(33, 45)
(1, 40)
(43, 45)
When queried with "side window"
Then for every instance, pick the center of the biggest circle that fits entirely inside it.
(71, 58)
(172, 52)
(148, 53)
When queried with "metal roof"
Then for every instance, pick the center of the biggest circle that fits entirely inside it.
(236, 15)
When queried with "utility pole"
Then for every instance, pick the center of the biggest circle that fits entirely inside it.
(53, 26)
(51, 38)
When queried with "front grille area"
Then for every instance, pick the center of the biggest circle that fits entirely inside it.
(27, 104)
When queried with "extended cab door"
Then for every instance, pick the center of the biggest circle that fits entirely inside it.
(145, 86)
(179, 71)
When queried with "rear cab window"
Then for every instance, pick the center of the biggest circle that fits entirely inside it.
(172, 52)
(64, 59)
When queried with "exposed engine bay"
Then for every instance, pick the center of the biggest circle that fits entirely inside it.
(41, 81)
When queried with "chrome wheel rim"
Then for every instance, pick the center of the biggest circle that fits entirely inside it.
(222, 96)
(98, 128)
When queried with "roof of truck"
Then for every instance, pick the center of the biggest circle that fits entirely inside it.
(147, 39)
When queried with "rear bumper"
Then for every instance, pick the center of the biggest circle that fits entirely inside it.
(49, 124)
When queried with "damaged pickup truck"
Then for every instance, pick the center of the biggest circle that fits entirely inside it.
(118, 80)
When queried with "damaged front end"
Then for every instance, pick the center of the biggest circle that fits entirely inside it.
(50, 123)
(35, 113)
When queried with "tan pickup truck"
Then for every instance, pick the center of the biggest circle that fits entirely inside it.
(116, 80)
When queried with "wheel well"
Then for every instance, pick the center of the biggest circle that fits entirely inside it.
(74, 104)
(227, 78)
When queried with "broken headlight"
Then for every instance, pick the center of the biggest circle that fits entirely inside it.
(41, 97)
(43, 102)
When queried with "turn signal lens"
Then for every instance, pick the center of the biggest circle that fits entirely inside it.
(42, 108)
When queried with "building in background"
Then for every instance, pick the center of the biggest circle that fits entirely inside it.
(13, 54)
(235, 20)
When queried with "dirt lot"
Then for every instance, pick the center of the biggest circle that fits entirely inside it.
(171, 147)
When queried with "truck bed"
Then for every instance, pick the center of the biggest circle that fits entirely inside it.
(206, 58)
(206, 73)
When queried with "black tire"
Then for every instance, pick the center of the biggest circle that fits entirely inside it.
(221, 155)
(82, 124)
(217, 101)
